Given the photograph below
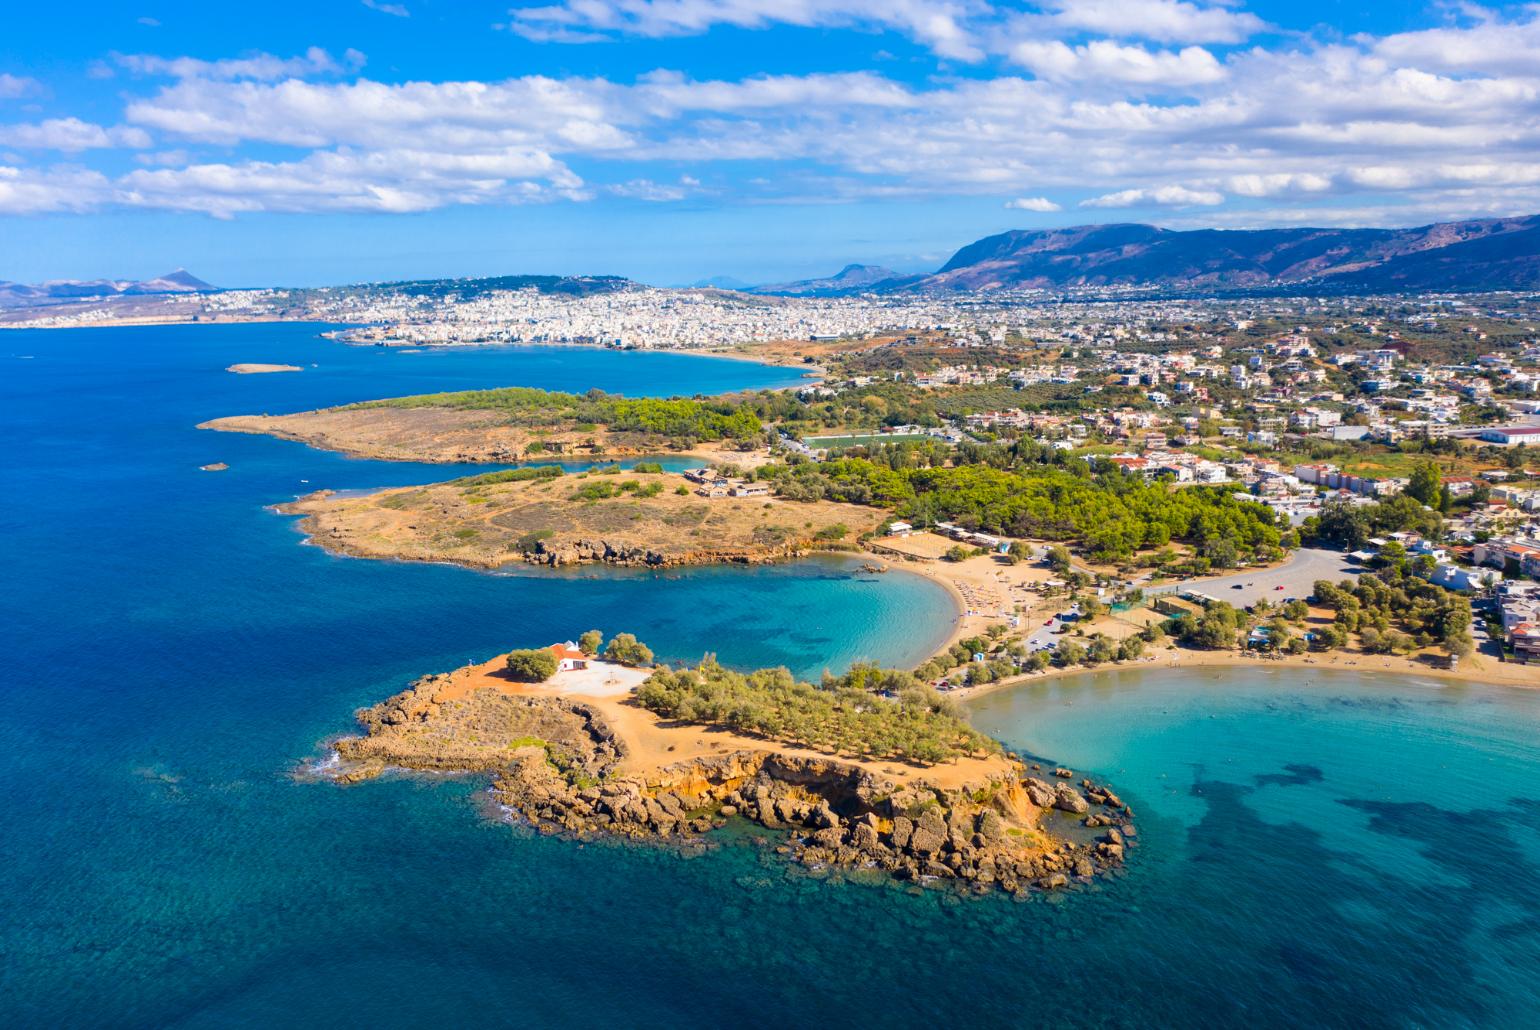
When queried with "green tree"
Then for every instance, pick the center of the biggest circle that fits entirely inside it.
(589, 642)
(1069, 653)
(1058, 559)
(531, 665)
(1425, 484)
(625, 649)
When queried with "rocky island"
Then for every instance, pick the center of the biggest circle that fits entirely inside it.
(641, 516)
(871, 770)
(247, 368)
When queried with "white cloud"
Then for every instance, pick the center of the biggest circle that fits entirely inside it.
(1339, 125)
(394, 10)
(35, 192)
(1042, 204)
(1272, 184)
(13, 87)
(394, 181)
(72, 135)
(1492, 45)
(1105, 61)
(1174, 196)
(262, 67)
(938, 24)
(1162, 21)
(646, 189)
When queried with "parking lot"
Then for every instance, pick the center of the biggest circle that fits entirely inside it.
(1297, 577)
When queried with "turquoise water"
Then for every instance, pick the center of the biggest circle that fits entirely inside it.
(1316, 848)
(1352, 852)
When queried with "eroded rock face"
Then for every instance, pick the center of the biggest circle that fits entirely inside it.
(557, 767)
(835, 815)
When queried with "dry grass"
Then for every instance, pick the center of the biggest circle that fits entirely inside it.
(492, 525)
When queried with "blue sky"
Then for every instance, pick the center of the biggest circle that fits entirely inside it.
(670, 140)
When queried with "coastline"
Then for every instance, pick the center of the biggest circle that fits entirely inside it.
(955, 577)
(1491, 674)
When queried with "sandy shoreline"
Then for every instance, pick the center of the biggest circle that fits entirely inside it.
(1489, 673)
(974, 577)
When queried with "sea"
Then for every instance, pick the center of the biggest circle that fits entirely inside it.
(1346, 850)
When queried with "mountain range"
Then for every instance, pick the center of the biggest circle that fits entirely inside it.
(850, 279)
(1489, 254)
(61, 291)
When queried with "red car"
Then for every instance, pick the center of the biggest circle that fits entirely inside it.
(1278, 587)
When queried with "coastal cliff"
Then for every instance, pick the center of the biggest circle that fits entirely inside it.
(563, 766)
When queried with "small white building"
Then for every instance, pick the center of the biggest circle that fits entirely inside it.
(568, 657)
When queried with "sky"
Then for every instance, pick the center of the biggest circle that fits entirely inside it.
(287, 143)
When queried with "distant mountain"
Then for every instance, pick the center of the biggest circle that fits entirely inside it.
(850, 279)
(61, 291)
(1499, 253)
(720, 282)
(574, 285)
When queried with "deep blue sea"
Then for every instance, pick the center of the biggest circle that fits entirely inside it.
(1347, 851)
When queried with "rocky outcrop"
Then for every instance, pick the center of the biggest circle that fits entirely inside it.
(558, 767)
(588, 551)
(989, 837)
(420, 729)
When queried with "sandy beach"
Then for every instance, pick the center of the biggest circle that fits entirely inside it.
(987, 592)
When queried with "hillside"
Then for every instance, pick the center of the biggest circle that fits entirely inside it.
(1478, 255)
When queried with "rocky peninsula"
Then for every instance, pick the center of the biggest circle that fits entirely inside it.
(639, 518)
(595, 766)
(515, 424)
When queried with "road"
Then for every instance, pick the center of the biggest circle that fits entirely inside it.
(1297, 576)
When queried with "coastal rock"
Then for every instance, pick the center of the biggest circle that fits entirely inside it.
(1039, 793)
(1067, 799)
(983, 836)
(930, 833)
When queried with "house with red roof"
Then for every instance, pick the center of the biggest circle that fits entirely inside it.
(568, 657)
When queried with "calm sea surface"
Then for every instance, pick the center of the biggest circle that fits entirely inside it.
(1350, 851)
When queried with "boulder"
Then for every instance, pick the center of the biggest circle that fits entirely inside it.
(991, 830)
(929, 835)
(1067, 799)
(1039, 793)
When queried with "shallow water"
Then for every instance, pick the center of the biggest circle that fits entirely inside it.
(1352, 851)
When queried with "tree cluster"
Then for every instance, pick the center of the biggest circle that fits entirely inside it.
(1109, 513)
(869, 711)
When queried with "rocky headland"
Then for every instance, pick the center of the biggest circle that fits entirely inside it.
(452, 435)
(588, 768)
(653, 520)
